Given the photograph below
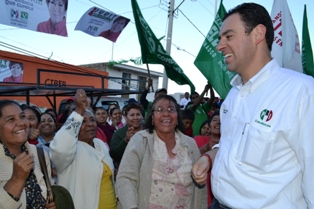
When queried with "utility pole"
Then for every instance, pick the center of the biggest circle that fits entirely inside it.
(169, 40)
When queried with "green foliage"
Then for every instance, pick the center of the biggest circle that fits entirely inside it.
(137, 61)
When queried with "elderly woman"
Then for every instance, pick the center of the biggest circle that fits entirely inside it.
(21, 181)
(155, 171)
(57, 21)
(83, 163)
(122, 136)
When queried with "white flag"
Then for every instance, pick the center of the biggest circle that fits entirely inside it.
(286, 45)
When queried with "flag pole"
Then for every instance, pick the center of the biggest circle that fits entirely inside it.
(149, 76)
(169, 40)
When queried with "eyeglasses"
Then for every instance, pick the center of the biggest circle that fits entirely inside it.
(161, 110)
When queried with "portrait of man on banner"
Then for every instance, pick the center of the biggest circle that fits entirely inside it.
(11, 71)
(56, 24)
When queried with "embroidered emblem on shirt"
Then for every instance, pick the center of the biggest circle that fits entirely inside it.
(225, 111)
(265, 115)
(268, 113)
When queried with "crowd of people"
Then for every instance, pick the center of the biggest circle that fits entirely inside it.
(102, 155)
(194, 154)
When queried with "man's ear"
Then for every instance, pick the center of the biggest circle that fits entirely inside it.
(259, 32)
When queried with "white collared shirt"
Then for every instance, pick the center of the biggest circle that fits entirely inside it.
(266, 157)
(184, 101)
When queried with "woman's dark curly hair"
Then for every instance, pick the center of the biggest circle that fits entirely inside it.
(149, 119)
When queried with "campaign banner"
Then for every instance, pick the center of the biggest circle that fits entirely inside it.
(46, 16)
(11, 71)
(99, 22)
(286, 45)
(210, 62)
(153, 51)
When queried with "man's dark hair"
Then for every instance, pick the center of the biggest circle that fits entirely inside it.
(187, 114)
(252, 15)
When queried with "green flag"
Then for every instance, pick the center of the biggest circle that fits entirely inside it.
(210, 62)
(154, 53)
(307, 53)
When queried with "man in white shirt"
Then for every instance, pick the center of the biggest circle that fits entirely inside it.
(185, 100)
(265, 157)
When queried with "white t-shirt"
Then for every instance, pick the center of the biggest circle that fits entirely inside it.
(184, 102)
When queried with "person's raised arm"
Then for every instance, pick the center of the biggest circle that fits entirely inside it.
(63, 146)
(199, 99)
(212, 95)
(143, 100)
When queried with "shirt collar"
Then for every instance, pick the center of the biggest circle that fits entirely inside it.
(257, 79)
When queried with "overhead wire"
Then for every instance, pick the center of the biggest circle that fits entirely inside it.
(192, 23)
(120, 43)
(206, 8)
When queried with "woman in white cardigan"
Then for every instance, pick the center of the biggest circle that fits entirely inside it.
(21, 181)
(83, 163)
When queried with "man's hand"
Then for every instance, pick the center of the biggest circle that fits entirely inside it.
(200, 170)
(201, 167)
(149, 82)
(207, 87)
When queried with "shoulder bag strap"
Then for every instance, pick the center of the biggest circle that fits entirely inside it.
(43, 166)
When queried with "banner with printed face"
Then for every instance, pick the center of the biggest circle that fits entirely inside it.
(47, 16)
(11, 71)
(99, 22)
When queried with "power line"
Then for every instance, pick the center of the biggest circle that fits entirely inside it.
(206, 8)
(191, 23)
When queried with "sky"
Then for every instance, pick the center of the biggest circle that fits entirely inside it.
(191, 24)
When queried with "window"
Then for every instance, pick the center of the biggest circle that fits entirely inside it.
(141, 83)
(126, 81)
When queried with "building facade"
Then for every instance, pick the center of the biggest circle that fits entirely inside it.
(127, 77)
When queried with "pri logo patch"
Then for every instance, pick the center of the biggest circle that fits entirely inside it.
(15, 14)
(266, 115)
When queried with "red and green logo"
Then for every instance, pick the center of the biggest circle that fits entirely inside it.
(266, 115)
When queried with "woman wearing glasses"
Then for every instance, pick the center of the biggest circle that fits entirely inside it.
(155, 171)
